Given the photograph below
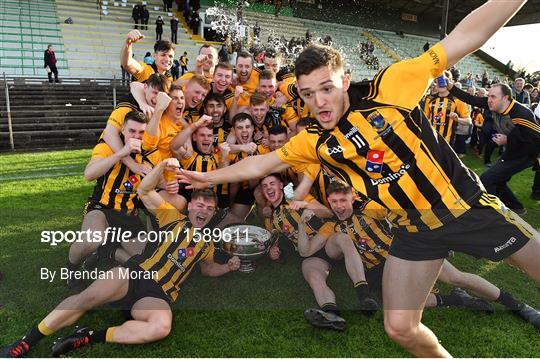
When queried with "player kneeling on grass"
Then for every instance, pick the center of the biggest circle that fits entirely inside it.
(373, 239)
(316, 265)
(153, 282)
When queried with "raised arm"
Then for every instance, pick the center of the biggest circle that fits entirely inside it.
(126, 55)
(147, 188)
(97, 167)
(477, 27)
(476, 101)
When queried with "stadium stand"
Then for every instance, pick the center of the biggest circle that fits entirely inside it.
(26, 28)
(68, 115)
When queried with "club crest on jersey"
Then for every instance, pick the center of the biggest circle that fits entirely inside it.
(377, 121)
(374, 161)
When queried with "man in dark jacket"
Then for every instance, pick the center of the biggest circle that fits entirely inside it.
(50, 64)
(174, 30)
(145, 16)
(136, 14)
(517, 130)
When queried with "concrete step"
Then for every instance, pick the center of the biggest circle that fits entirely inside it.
(23, 127)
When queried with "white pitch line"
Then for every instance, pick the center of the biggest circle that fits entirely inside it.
(44, 175)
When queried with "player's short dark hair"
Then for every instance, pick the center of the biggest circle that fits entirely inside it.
(136, 116)
(528, 86)
(316, 56)
(338, 187)
(201, 80)
(267, 75)
(163, 45)
(242, 116)
(257, 99)
(245, 55)
(205, 46)
(505, 89)
(277, 130)
(273, 174)
(214, 97)
(205, 193)
(304, 121)
(158, 82)
(174, 87)
(224, 65)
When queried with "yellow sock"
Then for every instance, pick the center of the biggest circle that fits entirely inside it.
(44, 329)
(109, 334)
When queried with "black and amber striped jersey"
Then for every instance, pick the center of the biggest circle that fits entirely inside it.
(437, 109)
(118, 115)
(117, 189)
(168, 129)
(192, 115)
(385, 148)
(147, 70)
(202, 162)
(523, 134)
(177, 253)
(371, 237)
(286, 221)
(221, 133)
(294, 111)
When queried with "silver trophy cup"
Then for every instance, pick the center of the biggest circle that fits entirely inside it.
(248, 243)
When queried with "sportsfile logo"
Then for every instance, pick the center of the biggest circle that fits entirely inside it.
(508, 243)
(391, 177)
(335, 150)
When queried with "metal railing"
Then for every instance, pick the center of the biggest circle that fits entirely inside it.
(8, 110)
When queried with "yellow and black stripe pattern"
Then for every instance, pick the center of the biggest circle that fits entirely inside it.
(117, 189)
(371, 237)
(437, 110)
(176, 255)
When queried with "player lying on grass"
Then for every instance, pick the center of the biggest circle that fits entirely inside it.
(154, 280)
(316, 267)
(372, 239)
(374, 136)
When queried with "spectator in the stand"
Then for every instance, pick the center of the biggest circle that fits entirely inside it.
(174, 30)
(535, 95)
(148, 59)
(308, 37)
(495, 80)
(278, 4)
(136, 14)
(256, 30)
(426, 46)
(455, 73)
(183, 63)
(159, 27)
(468, 81)
(194, 23)
(175, 69)
(485, 79)
(49, 59)
(145, 16)
(519, 94)
(223, 55)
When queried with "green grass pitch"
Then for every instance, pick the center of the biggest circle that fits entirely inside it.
(239, 315)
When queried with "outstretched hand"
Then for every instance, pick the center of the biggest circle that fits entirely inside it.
(193, 179)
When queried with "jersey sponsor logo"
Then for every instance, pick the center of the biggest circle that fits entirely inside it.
(335, 150)
(391, 177)
(176, 262)
(133, 179)
(183, 253)
(374, 161)
(128, 186)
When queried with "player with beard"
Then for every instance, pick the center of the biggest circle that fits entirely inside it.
(214, 106)
(148, 298)
(298, 228)
(155, 84)
(205, 156)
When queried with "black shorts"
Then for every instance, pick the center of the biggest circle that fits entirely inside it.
(138, 289)
(488, 230)
(321, 254)
(116, 218)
